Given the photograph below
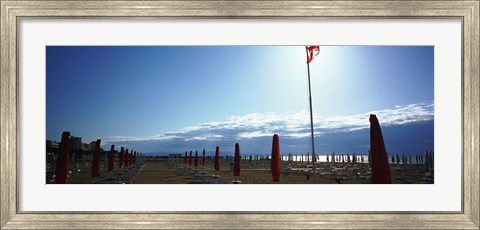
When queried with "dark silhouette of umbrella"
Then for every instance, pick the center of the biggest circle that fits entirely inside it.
(217, 158)
(122, 152)
(427, 161)
(236, 161)
(130, 158)
(378, 154)
(185, 158)
(190, 158)
(61, 172)
(96, 160)
(111, 162)
(126, 158)
(275, 162)
(134, 157)
(203, 158)
(196, 158)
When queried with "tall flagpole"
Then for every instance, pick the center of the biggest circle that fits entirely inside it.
(314, 159)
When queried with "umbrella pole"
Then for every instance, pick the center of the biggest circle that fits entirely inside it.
(314, 160)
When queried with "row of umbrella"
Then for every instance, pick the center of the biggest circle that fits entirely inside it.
(126, 159)
(378, 156)
(275, 160)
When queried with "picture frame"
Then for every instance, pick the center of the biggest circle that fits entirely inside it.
(467, 11)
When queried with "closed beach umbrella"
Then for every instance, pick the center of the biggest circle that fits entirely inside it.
(236, 161)
(130, 158)
(122, 152)
(203, 158)
(185, 158)
(61, 172)
(427, 161)
(111, 159)
(217, 158)
(126, 158)
(96, 160)
(378, 154)
(275, 162)
(135, 157)
(190, 158)
(196, 158)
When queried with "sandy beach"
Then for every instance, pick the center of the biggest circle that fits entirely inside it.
(165, 171)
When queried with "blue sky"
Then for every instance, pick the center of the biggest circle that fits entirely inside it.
(171, 98)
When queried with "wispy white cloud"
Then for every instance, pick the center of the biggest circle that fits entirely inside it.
(293, 126)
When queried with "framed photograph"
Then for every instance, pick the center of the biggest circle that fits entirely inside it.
(218, 114)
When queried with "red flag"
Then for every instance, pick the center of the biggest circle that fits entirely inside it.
(275, 161)
(236, 161)
(312, 51)
(378, 154)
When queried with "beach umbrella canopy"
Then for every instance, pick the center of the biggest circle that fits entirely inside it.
(275, 162)
(236, 161)
(378, 154)
(96, 160)
(61, 172)
(217, 158)
(111, 159)
(196, 158)
(203, 158)
(122, 152)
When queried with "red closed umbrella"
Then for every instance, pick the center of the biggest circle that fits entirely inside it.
(96, 160)
(126, 158)
(120, 164)
(61, 172)
(236, 161)
(190, 158)
(185, 158)
(196, 158)
(130, 158)
(110, 158)
(135, 157)
(378, 154)
(275, 162)
(217, 158)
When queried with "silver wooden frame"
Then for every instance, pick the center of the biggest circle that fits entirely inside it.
(467, 11)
